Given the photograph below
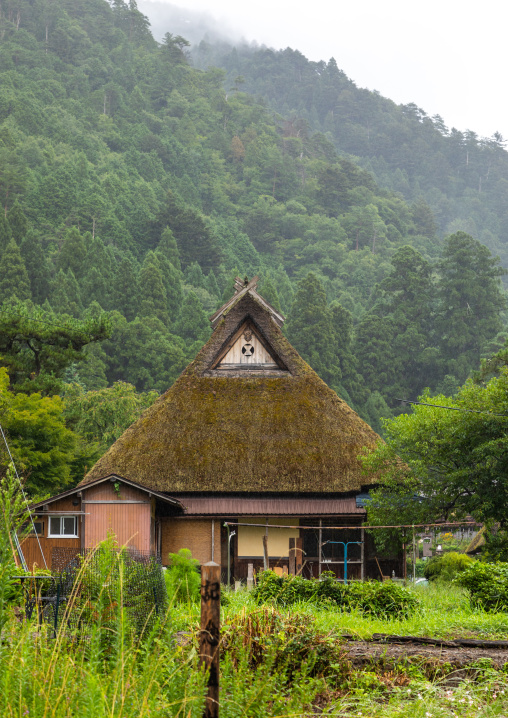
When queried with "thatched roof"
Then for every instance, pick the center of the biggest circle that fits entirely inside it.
(477, 542)
(226, 428)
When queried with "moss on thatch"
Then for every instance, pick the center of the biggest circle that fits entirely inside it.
(279, 431)
(477, 542)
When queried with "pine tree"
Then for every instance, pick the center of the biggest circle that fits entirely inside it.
(73, 252)
(269, 292)
(152, 290)
(169, 248)
(5, 232)
(18, 223)
(172, 278)
(194, 276)
(470, 303)
(310, 328)
(193, 324)
(212, 285)
(36, 266)
(125, 290)
(65, 297)
(14, 281)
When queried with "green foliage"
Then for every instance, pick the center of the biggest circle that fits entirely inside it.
(13, 514)
(42, 446)
(37, 346)
(183, 579)
(101, 416)
(14, 281)
(487, 584)
(447, 566)
(379, 599)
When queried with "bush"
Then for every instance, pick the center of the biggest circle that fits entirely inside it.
(371, 597)
(183, 580)
(487, 584)
(446, 567)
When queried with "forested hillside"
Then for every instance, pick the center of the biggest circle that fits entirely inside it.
(137, 185)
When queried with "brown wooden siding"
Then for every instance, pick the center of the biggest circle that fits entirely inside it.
(194, 534)
(130, 522)
(30, 546)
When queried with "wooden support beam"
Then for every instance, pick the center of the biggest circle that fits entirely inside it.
(298, 556)
(210, 634)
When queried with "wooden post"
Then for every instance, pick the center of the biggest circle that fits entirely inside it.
(250, 575)
(210, 634)
(298, 556)
(292, 556)
(266, 561)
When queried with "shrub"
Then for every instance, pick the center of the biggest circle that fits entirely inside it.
(487, 584)
(183, 580)
(372, 597)
(446, 567)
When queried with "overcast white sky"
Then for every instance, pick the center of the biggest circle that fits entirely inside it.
(448, 57)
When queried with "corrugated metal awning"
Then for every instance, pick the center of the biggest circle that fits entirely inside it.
(238, 506)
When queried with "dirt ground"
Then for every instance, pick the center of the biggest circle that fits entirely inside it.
(459, 660)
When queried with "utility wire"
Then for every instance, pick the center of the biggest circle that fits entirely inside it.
(451, 408)
(24, 496)
(444, 524)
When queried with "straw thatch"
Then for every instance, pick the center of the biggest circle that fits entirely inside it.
(282, 430)
(477, 542)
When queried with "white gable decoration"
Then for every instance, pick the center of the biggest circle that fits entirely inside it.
(247, 351)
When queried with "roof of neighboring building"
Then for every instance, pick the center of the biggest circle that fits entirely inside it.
(272, 506)
(279, 429)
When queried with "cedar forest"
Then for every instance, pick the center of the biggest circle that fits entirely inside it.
(138, 178)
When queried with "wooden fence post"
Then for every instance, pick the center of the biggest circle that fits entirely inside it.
(210, 634)
(298, 556)
(292, 556)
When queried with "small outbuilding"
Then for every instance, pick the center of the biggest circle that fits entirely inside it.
(247, 451)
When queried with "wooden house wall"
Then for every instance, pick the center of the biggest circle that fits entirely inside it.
(130, 522)
(32, 548)
(194, 534)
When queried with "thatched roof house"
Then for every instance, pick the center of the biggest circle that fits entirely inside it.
(248, 433)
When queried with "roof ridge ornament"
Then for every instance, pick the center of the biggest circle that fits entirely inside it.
(242, 287)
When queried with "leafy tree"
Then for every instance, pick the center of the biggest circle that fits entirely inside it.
(101, 416)
(440, 463)
(14, 281)
(42, 446)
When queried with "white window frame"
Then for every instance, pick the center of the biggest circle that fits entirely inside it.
(62, 535)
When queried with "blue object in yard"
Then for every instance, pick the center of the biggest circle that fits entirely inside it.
(345, 555)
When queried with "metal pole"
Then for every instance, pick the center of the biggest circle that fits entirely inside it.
(345, 564)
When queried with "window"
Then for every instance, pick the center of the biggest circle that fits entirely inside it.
(28, 527)
(63, 526)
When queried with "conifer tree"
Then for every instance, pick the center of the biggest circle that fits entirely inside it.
(152, 290)
(5, 232)
(310, 328)
(73, 252)
(37, 266)
(18, 223)
(194, 276)
(14, 281)
(169, 248)
(125, 290)
(193, 324)
(172, 279)
(212, 285)
(269, 292)
(66, 298)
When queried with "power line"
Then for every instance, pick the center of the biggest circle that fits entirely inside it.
(451, 408)
(443, 524)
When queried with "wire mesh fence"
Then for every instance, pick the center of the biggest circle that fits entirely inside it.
(99, 587)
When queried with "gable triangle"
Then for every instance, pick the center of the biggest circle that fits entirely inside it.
(247, 351)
